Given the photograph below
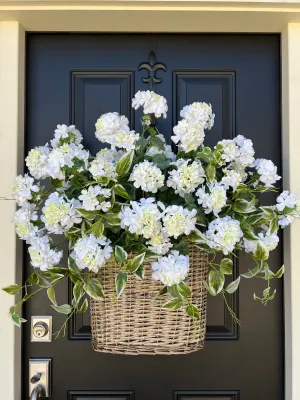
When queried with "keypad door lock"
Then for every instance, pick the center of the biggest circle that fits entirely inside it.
(41, 329)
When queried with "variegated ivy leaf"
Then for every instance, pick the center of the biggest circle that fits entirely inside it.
(173, 304)
(233, 286)
(216, 280)
(120, 282)
(120, 254)
(226, 266)
(124, 164)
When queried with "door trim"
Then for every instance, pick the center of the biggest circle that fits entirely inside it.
(12, 72)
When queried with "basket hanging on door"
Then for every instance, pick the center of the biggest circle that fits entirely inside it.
(136, 323)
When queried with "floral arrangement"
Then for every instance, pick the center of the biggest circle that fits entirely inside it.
(139, 201)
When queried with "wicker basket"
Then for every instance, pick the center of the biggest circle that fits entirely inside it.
(136, 323)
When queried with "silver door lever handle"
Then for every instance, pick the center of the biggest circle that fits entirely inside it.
(37, 392)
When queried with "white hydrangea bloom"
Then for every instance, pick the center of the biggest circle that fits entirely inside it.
(289, 204)
(41, 254)
(178, 221)
(172, 269)
(91, 252)
(66, 134)
(142, 217)
(23, 188)
(267, 242)
(246, 150)
(223, 234)
(231, 179)
(65, 155)
(214, 200)
(147, 176)
(126, 140)
(151, 102)
(267, 171)
(230, 151)
(188, 134)
(199, 113)
(36, 161)
(187, 177)
(160, 243)
(90, 198)
(23, 217)
(105, 163)
(60, 214)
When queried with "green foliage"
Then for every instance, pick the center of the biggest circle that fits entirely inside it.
(120, 282)
(216, 280)
(12, 289)
(135, 263)
(98, 228)
(120, 254)
(192, 311)
(94, 288)
(173, 304)
(124, 164)
(233, 286)
(226, 266)
(120, 191)
(63, 309)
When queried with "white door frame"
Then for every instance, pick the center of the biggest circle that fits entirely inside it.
(131, 16)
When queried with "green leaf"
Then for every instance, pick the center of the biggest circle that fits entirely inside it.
(163, 291)
(157, 142)
(78, 292)
(274, 226)
(98, 228)
(211, 173)
(192, 311)
(203, 157)
(63, 309)
(245, 203)
(248, 233)
(120, 282)
(33, 279)
(252, 273)
(279, 273)
(12, 289)
(205, 247)
(54, 277)
(112, 219)
(173, 292)
(56, 182)
(43, 282)
(124, 164)
(51, 295)
(260, 253)
(195, 236)
(173, 304)
(184, 290)
(226, 266)
(120, 254)
(89, 215)
(84, 306)
(140, 272)
(17, 320)
(161, 161)
(182, 247)
(134, 264)
(94, 289)
(233, 286)
(120, 191)
(216, 281)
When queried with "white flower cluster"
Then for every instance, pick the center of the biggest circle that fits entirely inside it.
(178, 221)
(288, 206)
(147, 176)
(104, 165)
(267, 171)
(160, 243)
(41, 254)
(223, 234)
(91, 252)
(151, 102)
(212, 200)
(266, 241)
(113, 129)
(172, 269)
(24, 218)
(60, 214)
(23, 189)
(231, 179)
(189, 132)
(187, 177)
(44, 162)
(239, 151)
(93, 198)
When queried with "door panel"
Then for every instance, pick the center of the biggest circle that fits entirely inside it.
(74, 78)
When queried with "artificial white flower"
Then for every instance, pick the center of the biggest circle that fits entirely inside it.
(289, 205)
(60, 214)
(151, 102)
(147, 176)
(172, 269)
(104, 165)
(66, 134)
(178, 221)
(23, 188)
(41, 254)
(24, 216)
(187, 177)
(142, 217)
(231, 179)
(90, 198)
(188, 134)
(246, 150)
(266, 241)
(213, 200)
(126, 140)
(160, 243)
(199, 113)
(223, 234)
(36, 161)
(91, 252)
(230, 150)
(267, 171)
